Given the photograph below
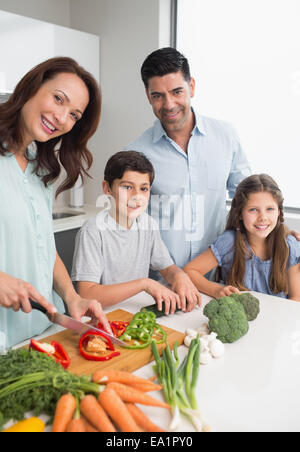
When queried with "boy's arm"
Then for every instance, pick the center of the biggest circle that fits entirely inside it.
(294, 282)
(109, 294)
(182, 285)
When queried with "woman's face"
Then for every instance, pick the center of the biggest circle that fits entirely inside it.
(54, 109)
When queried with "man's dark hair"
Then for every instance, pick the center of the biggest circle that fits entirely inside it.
(127, 161)
(165, 61)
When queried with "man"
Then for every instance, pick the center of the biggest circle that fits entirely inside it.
(196, 159)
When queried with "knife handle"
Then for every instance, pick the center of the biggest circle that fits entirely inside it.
(37, 306)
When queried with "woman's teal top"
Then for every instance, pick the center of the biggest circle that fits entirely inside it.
(27, 246)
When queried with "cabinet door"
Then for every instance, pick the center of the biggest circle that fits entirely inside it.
(26, 42)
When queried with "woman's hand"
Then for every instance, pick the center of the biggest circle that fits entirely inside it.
(15, 294)
(225, 291)
(79, 307)
(161, 293)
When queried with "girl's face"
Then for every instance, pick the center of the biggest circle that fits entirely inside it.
(260, 215)
(55, 108)
(131, 195)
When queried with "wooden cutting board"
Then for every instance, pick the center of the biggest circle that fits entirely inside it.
(129, 360)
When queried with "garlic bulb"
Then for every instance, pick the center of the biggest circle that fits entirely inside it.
(205, 357)
(217, 348)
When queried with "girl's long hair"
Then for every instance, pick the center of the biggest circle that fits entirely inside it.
(69, 150)
(277, 247)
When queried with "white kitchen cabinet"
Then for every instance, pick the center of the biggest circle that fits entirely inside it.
(26, 42)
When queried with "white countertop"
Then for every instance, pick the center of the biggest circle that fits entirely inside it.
(255, 386)
(74, 222)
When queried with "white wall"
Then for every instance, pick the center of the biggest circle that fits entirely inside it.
(129, 30)
(54, 11)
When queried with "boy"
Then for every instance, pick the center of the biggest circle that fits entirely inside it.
(114, 251)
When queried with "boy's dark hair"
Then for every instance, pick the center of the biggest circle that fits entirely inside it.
(127, 161)
(165, 61)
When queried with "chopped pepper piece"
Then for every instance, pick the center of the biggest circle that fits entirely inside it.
(55, 349)
(103, 354)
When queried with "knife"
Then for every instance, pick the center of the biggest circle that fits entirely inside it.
(72, 324)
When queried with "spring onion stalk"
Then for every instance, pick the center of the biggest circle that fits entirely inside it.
(179, 382)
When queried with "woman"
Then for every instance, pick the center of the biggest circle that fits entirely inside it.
(56, 107)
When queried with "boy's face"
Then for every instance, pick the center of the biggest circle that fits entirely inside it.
(131, 194)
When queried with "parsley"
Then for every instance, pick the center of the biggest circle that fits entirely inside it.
(33, 381)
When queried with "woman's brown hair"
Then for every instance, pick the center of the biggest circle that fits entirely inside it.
(69, 150)
(277, 248)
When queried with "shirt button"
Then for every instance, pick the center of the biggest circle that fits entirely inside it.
(25, 181)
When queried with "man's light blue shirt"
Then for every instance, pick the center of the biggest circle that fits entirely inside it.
(188, 196)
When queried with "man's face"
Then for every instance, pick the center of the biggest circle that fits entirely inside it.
(170, 98)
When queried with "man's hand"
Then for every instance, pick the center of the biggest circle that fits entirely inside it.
(187, 291)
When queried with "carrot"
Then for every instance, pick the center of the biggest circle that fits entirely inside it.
(108, 375)
(76, 426)
(64, 412)
(142, 420)
(132, 395)
(146, 387)
(152, 378)
(117, 410)
(93, 411)
(88, 426)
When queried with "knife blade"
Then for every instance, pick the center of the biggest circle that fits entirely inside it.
(72, 324)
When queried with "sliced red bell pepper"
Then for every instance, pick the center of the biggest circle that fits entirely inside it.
(118, 327)
(55, 349)
(85, 338)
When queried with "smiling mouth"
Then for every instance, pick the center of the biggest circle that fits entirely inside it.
(48, 126)
(262, 227)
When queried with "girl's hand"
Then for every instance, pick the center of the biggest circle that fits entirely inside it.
(188, 293)
(15, 294)
(161, 293)
(225, 291)
(79, 307)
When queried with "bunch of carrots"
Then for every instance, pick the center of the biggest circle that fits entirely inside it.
(113, 410)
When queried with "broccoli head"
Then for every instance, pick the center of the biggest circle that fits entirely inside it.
(250, 304)
(227, 319)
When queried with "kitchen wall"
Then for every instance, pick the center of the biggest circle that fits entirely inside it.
(129, 30)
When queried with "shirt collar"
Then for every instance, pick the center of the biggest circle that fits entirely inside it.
(160, 132)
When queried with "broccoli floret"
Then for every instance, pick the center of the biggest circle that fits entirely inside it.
(250, 304)
(227, 319)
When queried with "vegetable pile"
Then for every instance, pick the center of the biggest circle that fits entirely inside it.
(228, 316)
(142, 330)
(179, 382)
(31, 381)
(114, 408)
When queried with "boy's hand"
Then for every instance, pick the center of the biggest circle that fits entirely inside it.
(225, 291)
(161, 293)
(187, 291)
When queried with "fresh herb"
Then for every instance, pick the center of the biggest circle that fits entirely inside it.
(33, 381)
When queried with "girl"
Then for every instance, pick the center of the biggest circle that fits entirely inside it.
(56, 107)
(255, 252)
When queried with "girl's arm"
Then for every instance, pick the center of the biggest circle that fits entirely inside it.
(199, 267)
(77, 306)
(294, 282)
